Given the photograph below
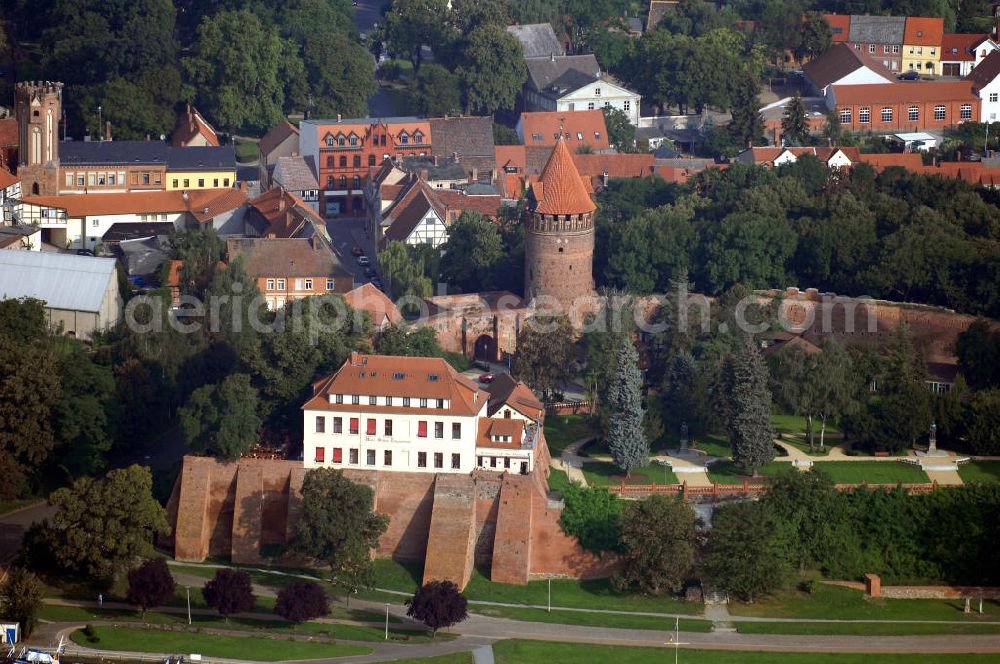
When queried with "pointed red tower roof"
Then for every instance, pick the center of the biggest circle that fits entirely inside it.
(562, 190)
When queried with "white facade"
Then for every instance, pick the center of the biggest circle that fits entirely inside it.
(85, 232)
(434, 421)
(597, 95)
(391, 441)
(989, 95)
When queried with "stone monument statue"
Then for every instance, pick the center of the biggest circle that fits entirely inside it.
(684, 435)
(932, 447)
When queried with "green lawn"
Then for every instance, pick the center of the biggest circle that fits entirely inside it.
(276, 625)
(839, 603)
(454, 658)
(727, 472)
(592, 619)
(246, 151)
(558, 481)
(713, 445)
(604, 473)
(212, 645)
(863, 629)
(574, 593)
(873, 472)
(549, 652)
(980, 471)
(561, 430)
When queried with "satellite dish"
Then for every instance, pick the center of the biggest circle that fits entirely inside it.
(163, 137)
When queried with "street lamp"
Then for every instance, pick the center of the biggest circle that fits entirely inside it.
(549, 609)
(188, 588)
(387, 621)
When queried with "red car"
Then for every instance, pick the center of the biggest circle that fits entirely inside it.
(486, 378)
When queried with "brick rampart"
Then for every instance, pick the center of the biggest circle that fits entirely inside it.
(512, 546)
(451, 542)
(491, 519)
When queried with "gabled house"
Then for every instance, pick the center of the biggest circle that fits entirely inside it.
(296, 175)
(193, 130)
(834, 158)
(575, 83)
(922, 39)
(538, 40)
(985, 79)
(380, 308)
(898, 107)
(960, 54)
(466, 140)
(421, 214)
(280, 214)
(10, 191)
(281, 141)
(880, 37)
(844, 65)
(288, 269)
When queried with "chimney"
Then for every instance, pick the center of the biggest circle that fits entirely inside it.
(434, 159)
(552, 57)
(281, 203)
(454, 157)
(338, 117)
(423, 174)
(474, 175)
(186, 196)
(107, 130)
(604, 178)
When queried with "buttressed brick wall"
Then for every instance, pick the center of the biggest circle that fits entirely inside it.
(448, 522)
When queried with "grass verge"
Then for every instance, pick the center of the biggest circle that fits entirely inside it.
(212, 645)
(246, 150)
(863, 629)
(561, 430)
(549, 652)
(592, 619)
(839, 603)
(604, 473)
(980, 471)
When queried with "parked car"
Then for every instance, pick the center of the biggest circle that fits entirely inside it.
(84, 252)
(486, 378)
(369, 272)
(363, 261)
(909, 76)
(357, 251)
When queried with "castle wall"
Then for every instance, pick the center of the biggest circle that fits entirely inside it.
(448, 522)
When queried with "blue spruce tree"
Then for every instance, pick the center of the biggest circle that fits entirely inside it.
(750, 432)
(626, 437)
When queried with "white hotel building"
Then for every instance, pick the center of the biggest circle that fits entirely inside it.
(417, 414)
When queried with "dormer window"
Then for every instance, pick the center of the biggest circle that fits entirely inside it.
(597, 92)
(920, 33)
(418, 137)
(579, 135)
(354, 140)
(329, 141)
(404, 138)
(340, 141)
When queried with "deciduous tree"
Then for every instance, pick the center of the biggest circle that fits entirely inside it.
(658, 544)
(339, 527)
(101, 526)
(543, 354)
(341, 74)
(621, 132)
(301, 602)
(492, 69)
(22, 598)
(150, 585)
(471, 254)
(229, 591)
(411, 24)
(222, 419)
(593, 516)
(438, 604)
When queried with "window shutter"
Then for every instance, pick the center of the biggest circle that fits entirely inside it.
(338, 455)
(422, 429)
(370, 426)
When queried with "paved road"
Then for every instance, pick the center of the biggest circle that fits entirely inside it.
(366, 14)
(346, 233)
(14, 524)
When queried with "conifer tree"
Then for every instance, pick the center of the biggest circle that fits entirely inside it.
(750, 431)
(626, 436)
(795, 124)
(747, 125)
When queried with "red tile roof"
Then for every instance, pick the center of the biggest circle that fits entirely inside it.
(562, 192)
(455, 200)
(896, 93)
(615, 165)
(368, 298)
(908, 160)
(500, 433)
(922, 31)
(840, 26)
(959, 47)
(398, 376)
(7, 178)
(196, 202)
(284, 212)
(191, 124)
(578, 128)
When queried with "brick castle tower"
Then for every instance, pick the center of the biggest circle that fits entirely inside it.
(38, 107)
(559, 233)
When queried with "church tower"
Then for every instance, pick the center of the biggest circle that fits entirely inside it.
(559, 233)
(37, 107)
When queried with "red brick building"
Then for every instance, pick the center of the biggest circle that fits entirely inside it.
(344, 151)
(903, 106)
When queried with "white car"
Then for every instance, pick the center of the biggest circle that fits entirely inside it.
(364, 261)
